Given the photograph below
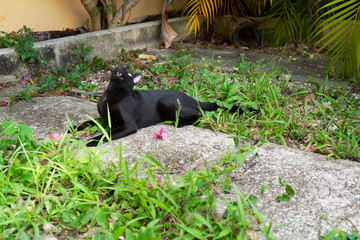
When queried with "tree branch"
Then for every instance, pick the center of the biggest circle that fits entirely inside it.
(90, 6)
(121, 12)
(108, 10)
(114, 7)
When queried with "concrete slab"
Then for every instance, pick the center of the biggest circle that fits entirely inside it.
(327, 192)
(8, 79)
(186, 148)
(48, 114)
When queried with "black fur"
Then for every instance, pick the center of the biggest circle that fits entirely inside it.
(131, 109)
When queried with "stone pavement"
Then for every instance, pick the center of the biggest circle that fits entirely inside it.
(297, 64)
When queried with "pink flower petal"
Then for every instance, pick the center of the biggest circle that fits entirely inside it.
(173, 181)
(164, 136)
(160, 134)
(157, 180)
(6, 100)
(25, 80)
(64, 183)
(44, 161)
(311, 148)
(55, 136)
(171, 79)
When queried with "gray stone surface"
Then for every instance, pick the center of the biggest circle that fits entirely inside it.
(327, 192)
(186, 148)
(8, 91)
(48, 114)
(300, 68)
(8, 79)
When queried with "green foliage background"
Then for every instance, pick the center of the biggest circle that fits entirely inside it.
(332, 26)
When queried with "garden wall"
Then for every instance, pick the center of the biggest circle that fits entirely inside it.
(50, 15)
(106, 45)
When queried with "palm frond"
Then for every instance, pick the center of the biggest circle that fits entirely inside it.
(259, 7)
(340, 31)
(236, 8)
(206, 8)
(289, 21)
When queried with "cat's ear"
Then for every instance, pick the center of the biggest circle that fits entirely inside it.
(137, 78)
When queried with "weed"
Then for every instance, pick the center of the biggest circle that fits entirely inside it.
(289, 192)
(56, 184)
(73, 74)
(47, 83)
(83, 52)
(336, 234)
(320, 119)
(22, 42)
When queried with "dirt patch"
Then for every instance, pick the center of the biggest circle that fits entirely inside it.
(47, 35)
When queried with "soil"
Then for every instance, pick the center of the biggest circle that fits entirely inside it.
(47, 35)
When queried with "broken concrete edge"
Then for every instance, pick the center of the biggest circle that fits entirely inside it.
(107, 45)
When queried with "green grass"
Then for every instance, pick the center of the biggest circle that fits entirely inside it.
(64, 186)
(58, 184)
(323, 118)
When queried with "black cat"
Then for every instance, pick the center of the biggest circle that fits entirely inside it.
(131, 109)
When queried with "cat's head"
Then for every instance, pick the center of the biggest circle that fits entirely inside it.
(124, 78)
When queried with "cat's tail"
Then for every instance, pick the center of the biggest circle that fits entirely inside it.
(211, 106)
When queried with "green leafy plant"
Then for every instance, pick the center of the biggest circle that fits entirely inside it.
(336, 234)
(47, 82)
(211, 9)
(11, 136)
(84, 51)
(196, 8)
(338, 30)
(289, 192)
(72, 75)
(22, 42)
(290, 21)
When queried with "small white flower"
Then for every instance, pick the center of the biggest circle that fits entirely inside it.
(48, 227)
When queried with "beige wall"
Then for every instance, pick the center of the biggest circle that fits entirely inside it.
(41, 15)
(47, 15)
